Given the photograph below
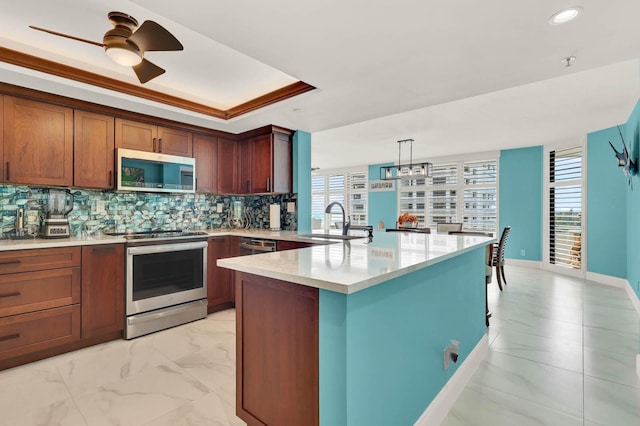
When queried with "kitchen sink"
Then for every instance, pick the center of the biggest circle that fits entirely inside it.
(332, 236)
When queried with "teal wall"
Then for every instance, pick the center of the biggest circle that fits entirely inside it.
(383, 206)
(302, 178)
(632, 139)
(606, 206)
(520, 192)
(381, 349)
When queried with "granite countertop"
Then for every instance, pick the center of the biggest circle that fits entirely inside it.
(350, 266)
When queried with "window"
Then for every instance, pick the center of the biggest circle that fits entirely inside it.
(457, 192)
(349, 189)
(564, 208)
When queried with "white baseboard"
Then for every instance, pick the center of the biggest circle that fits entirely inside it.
(442, 403)
(616, 282)
(606, 279)
(535, 264)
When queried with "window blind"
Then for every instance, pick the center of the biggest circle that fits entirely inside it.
(565, 207)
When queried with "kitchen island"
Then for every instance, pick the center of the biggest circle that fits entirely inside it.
(353, 333)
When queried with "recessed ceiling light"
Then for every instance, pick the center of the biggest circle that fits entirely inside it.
(565, 15)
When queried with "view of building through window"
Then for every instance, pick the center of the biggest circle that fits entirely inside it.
(349, 189)
(458, 192)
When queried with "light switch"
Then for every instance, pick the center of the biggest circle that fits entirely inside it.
(219, 207)
(100, 206)
(291, 207)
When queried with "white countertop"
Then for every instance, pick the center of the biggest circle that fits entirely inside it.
(357, 264)
(38, 243)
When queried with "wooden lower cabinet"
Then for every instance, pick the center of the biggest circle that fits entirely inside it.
(277, 379)
(219, 286)
(102, 289)
(36, 331)
(57, 300)
(291, 245)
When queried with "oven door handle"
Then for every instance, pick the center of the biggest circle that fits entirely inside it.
(163, 248)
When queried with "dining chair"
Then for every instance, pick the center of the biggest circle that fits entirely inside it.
(448, 227)
(498, 257)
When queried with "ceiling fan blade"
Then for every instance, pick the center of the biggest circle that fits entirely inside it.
(154, 37)
(146, 71)
(66, 36)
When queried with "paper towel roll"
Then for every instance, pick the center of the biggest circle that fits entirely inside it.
(274, 217)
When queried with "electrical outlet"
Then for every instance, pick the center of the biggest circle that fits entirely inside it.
(291, 207)
(101, 206)
(522, 252)
(219, 207)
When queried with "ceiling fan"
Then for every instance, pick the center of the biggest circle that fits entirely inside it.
(127, 47)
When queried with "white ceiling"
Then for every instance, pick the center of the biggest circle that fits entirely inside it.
(456, 76)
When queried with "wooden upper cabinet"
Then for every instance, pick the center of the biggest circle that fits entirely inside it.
(205, 152)
(151, 138)
(266, 164)
(38, 143)
(93, 150)
(174, 142)
(2, 175)
(227, 166)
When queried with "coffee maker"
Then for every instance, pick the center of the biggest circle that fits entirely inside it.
(56, 223)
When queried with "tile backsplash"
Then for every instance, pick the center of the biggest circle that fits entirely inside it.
(107, 211)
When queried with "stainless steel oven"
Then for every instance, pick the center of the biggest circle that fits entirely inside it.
(166, 282)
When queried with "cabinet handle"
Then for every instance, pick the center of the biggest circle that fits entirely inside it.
(10, 262)
(8, 174)
(110, 178)
(155, 145)
(160, 145)
(17, 293)
(268, 184)
(10, 337)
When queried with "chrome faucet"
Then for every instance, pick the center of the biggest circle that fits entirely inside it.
(345, 224)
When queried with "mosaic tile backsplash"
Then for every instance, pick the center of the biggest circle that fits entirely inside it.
(143, 212)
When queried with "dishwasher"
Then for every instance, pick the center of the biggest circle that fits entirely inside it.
(256, 246)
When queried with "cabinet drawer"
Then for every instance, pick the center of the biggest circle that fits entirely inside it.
(39, 259)
(21, 334)
(32, 291)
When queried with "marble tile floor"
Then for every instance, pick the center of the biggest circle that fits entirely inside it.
(562, 351)
(179, 377)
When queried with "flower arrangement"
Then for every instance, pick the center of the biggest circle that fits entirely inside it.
(407, 220)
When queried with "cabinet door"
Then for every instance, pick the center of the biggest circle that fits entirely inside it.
(227, 162)
(135, 135)
(261, 161)
(38, 143)
(174, 142)
(244, 165)
(93, 150)
(281, 179)
(102, 289)
(2, 175)
(218, 279)
(205, 151)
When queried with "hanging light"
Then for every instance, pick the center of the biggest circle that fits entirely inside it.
(400, 170)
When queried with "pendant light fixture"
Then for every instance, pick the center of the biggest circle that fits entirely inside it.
(400, 171)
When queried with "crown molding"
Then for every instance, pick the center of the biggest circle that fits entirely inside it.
(25, 60)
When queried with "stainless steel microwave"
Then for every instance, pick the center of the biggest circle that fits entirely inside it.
(153, 172)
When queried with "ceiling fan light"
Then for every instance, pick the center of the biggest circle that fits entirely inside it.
(123, 56)
(565, 15)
